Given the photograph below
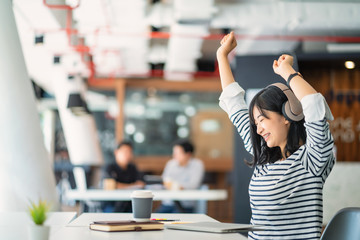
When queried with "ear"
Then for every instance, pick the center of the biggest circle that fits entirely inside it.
(286, 122)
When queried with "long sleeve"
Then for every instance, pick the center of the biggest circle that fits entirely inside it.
(233, 103)
(319, 143)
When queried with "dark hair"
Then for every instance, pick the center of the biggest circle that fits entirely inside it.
(272, 99)
(186, 145)
(124, 142)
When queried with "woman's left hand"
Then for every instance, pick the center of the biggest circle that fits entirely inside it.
(283, 64)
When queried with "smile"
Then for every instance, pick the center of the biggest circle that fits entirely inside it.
(266, 136)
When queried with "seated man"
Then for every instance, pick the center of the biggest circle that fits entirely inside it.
(125, 174)
(182, 172)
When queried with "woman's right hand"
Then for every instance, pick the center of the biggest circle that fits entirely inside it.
(228, 43)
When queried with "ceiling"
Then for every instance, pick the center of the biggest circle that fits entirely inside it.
(173, 39)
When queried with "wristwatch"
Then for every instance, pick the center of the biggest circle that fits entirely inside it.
(291, 77)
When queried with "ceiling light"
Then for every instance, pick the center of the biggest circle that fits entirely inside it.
(183, 132)
(130, 128)
(343, 47)
(139, 137)
(181, 120)
(190, 111)
(77, 104)
(57, 59)
(349, 64)
(39, 39)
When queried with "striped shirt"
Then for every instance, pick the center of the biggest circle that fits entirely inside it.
(286, 196)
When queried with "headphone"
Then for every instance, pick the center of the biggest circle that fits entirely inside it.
(291, 109)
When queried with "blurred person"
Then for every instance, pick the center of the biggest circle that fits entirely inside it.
(286, 130)
(183, 171)
(123, 175)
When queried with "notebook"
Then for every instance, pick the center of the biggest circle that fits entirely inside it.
(116, 226)
(214, 227)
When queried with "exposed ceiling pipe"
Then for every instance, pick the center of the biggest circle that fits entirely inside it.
(167, 35)
(83, 49)
(61, 6)
(69, 30)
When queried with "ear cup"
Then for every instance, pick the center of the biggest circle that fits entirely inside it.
(291, 109)
(288, 113)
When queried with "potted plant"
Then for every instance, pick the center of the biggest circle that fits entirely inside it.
(38, 213)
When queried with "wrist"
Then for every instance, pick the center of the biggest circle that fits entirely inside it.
(287, 72)
(222, 56)
(291, 76)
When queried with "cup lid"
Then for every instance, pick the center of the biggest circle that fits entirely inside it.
(142, 194)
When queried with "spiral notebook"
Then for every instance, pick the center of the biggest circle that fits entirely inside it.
(214, 227)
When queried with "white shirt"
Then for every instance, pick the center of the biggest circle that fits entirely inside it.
(189, 176)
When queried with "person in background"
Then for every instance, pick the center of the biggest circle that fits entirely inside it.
(287, 132)
(124, 175)
(182, 172)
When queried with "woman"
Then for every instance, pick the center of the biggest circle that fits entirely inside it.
(292, 155)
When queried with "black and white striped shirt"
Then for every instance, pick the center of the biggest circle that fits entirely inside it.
(286, 196)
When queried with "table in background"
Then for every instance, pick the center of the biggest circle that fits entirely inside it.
(201, 196)
(125, 195)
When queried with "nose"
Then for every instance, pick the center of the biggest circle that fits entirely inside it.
(259, 129)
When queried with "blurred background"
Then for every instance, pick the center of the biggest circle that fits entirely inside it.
(146, 70)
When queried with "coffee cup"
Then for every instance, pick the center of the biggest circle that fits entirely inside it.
(142, 205)
(109, 184)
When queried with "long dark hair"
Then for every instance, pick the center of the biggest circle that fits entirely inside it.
(272, 99)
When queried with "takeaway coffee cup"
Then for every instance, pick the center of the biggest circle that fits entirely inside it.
(109, 184)
(142, 205)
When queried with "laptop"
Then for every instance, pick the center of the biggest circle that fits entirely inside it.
(214, 227)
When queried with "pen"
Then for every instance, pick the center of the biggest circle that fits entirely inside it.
(165, 219)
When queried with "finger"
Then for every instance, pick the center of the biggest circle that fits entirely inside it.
(231, 36)
(275, 64)
(224, 39)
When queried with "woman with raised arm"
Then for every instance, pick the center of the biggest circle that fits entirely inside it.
(286, 130)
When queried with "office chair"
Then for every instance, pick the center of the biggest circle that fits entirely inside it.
(81, 185)
(344, 225)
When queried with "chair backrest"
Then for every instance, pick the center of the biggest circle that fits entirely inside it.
(344, 225)
(80, 178)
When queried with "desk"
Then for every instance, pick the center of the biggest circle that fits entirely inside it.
(124, 195)
(79, 229)
(23, 218)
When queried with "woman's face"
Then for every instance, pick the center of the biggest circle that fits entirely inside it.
(273, 129)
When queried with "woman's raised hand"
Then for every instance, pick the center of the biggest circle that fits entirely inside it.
(228, 43)
(282, 65)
